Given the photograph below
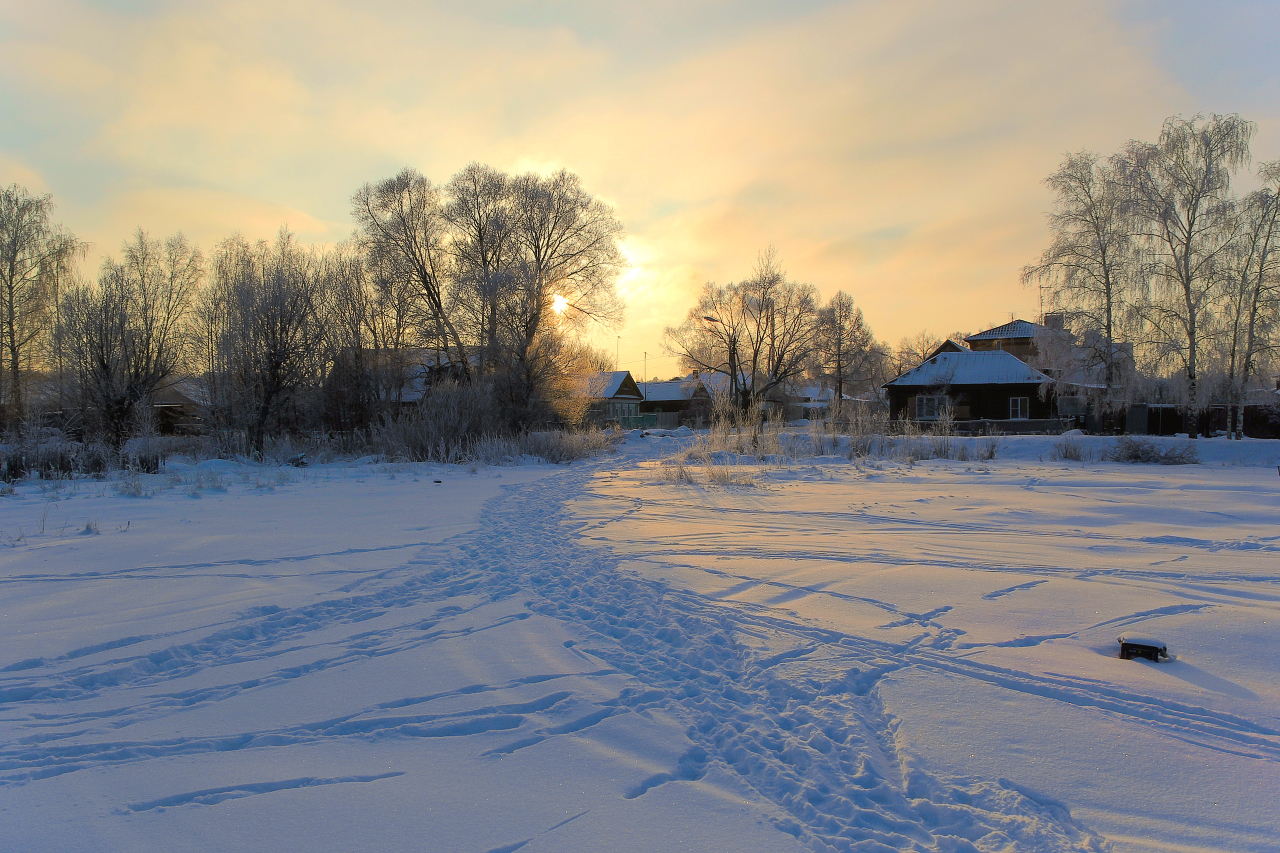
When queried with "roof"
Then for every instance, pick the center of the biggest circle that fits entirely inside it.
(619, 385)
(670, 391)
(1015, 329)
(946, 346)
(971, 368)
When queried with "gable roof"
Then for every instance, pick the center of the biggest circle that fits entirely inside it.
(970, 368)
(618, 385)
(946, 346)
(671, 390)
(1014, 329)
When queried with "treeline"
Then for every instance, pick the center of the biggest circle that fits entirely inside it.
(767, 334)
(482, 283)
(1169, 278)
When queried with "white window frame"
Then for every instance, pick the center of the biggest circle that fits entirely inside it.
(1019, 408)
(929, 406)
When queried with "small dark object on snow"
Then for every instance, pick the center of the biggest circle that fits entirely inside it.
(436, 481)
(299, 461)
(1141, 647)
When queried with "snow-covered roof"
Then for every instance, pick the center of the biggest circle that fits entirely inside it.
(971, 368)
(1015, 329)
(670, 391)
(619, 383)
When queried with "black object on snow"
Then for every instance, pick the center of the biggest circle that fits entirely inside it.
(1141, 647)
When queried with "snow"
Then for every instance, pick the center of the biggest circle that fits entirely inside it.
(848, 655)
(970, 368)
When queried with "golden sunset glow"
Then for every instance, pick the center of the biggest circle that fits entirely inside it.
(892, 150)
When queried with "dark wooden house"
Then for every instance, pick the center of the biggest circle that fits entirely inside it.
(971, 386)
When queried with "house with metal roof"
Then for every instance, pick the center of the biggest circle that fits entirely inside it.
(1017, 337)
(972, 386)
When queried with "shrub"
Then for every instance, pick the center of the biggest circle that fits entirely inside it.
(1147, 451)
(1068, 450)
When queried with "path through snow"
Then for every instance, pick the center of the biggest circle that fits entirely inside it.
(592, 658)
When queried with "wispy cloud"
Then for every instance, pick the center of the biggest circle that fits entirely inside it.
(893, 150)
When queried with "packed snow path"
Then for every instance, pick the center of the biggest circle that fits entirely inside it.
(611, 661)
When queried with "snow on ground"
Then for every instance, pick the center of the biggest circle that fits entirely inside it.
(845, 655)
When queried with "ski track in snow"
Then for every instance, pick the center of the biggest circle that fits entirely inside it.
(790, 708)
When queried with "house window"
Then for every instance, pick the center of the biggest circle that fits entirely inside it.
(1019, 408)
(928, 406)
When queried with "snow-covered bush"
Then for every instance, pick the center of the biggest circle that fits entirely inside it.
(1070, 449)
(1149, 451)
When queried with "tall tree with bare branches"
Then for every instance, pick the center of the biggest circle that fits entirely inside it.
(36, 256)
(758, 333)
(125, 337)
(1251, 308)
(1180, 194)
(1090, 267)
(402, 227)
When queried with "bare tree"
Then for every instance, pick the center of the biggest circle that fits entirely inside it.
(1088, 271)
(758, 333)
(265, 330)
(402, 228)
(35, 257)
(846, 351)
(125, 337)
(480, 213)
(1252, 289)
(1180, 192)
(912, 351)
(566, 268)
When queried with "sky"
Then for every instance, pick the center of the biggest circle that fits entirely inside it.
(893, 150)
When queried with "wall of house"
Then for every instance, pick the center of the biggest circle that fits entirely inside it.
(974, 402)
(1020, 348)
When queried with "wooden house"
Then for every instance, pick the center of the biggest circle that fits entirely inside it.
(676, 401)
(616, 399)
(972, 386)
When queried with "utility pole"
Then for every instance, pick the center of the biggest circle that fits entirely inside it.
(645, 392)
(616, 352)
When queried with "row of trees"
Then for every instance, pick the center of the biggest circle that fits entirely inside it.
(1153, 253)
(767, 332)
(486, 280)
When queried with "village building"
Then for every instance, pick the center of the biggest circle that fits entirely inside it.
(976, 390)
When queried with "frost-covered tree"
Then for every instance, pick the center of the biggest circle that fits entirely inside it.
(1179, 192)
(1089, 269)
(1251, 304)
(262, 327)
(758, 333)
(846, 353)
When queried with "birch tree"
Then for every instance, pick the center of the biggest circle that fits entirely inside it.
(565, 274)
(1252, 290)
(1180, 194)
(846, 351)
(480, 214)
(1089, 269)
(267, 345)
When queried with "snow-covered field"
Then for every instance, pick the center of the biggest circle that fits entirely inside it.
(842, 655)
